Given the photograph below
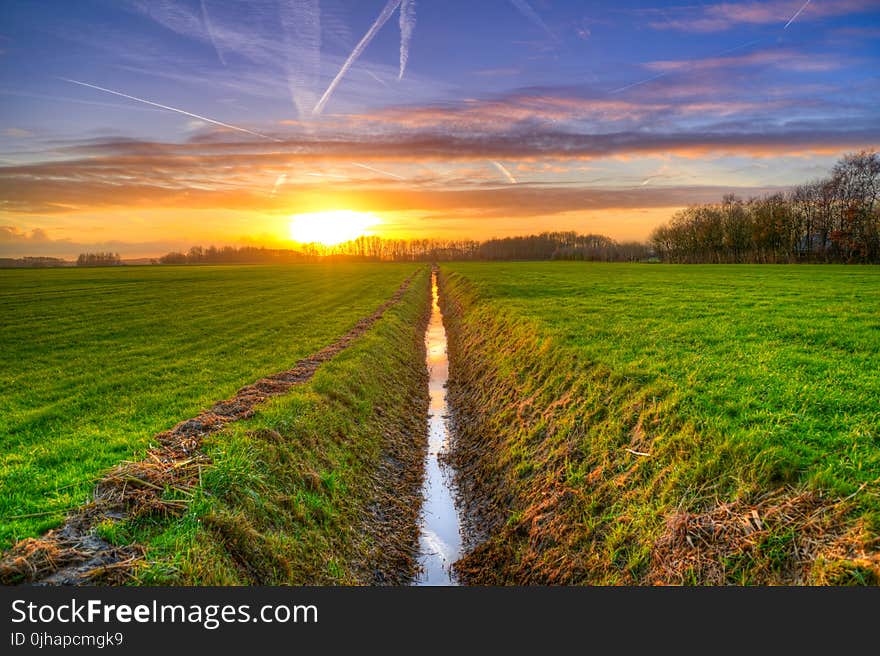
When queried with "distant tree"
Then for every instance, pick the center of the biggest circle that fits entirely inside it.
(832, 220)
(545, 246)
(31, 262)
(98, 259)
(173, 258)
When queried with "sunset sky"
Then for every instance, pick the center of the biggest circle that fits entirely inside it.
(153, 125)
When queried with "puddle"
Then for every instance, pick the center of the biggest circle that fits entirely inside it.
(440, 536)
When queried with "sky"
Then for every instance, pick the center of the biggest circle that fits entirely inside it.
(146, 126)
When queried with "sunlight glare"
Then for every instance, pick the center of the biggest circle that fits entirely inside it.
(331, 227)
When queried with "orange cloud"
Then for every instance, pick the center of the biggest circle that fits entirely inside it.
(783, 59)
(723, 16)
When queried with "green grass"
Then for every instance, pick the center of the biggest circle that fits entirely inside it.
(95, 361)
(286, 496)
(737, 379)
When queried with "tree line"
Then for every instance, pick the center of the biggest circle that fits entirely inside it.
(563, 246)
(98, 259)
(234, 255)
(543, 246)
(32, 262)
(835, 219)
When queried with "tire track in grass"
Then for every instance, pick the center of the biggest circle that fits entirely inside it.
(74, 555)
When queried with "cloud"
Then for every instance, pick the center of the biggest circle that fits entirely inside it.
(723, 16)
(859, 32)
(499, 113)
(673, 106)
(14, 235)
(783, 59)
(235, 175)
(488, 200)
(15, 242)
(17, 133)
(703, 113)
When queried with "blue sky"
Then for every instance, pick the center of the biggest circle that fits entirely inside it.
(510, 116)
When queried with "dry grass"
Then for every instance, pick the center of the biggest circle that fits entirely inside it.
(780, 536)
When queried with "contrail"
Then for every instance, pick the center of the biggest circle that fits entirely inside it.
(503, 170)
(654, 177)
(796, 14)
(377, 78)
(526, 10)
(301, 20)
(635, 84)
(745, 45)
(686, 65)
(210, 30)
(280, 180)
(374, 170)
(390, 6)
(407, 26)
(327, 175)
(171, 109)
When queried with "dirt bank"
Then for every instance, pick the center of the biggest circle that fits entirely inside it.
(163, 484)
(567, 475)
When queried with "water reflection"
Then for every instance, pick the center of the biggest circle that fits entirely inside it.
(440, 538)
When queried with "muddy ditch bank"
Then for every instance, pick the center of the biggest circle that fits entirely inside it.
(566, 470)
(74, 554)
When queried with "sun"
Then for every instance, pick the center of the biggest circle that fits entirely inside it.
(331, 227)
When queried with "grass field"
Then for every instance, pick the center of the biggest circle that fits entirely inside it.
(612, 423)
(320, 487)
(735, 380)
(95, 361)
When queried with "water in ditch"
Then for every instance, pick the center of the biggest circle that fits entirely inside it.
(440, 537)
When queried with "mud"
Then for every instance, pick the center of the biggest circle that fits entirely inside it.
(74, 555)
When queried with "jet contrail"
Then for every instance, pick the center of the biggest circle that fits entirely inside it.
(503, 170)
(745, 45)
(171, 109)
(635, 84)
(526, 10)
(686, 65)
(407, 26)
(280, 180)
(374, 170)
(210, 30)
(796, 14)
(327, 175)
(377, 78)
(390, 6)
(301, 20)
